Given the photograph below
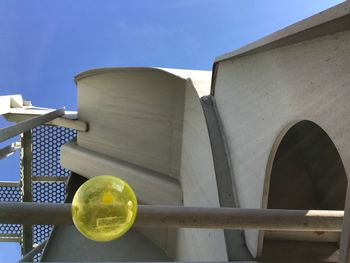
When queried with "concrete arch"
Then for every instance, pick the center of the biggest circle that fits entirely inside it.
(306, 160)
(304, 171)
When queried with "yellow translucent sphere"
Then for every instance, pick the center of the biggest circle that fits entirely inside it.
(104, 208)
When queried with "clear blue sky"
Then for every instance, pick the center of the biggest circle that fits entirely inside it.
(43, 44)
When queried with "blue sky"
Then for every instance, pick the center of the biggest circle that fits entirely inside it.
(43, 44)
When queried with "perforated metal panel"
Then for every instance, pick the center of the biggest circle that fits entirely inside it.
(46, 144)
(10, 193)
(47, 176)
(10, 232)
(47, 141)
(48, 192)
(47, 180)
(40, 234)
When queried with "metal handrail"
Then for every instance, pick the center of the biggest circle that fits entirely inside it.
(10, 149)
(185, 217)
(27, 125)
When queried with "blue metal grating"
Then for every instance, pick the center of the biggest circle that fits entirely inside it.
(48, 192)
(10, 194)
(40, 234)
(47, 141)
(46, 144)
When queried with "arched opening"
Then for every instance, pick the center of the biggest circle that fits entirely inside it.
(307, 173)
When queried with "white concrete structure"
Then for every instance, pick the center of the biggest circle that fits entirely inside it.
(269, 128)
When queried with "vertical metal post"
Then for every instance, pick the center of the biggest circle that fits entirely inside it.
(26, 187)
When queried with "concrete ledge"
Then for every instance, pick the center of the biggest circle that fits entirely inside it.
(150, 187)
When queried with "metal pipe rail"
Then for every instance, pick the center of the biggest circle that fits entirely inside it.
(185, 217)
(10, 149)
(27, 125)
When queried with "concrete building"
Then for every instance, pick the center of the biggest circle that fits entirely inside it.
(268, 129)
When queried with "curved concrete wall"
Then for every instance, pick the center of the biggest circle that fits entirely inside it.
(134, 114)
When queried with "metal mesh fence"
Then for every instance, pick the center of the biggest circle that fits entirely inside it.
(48, 181)
(40, 234)
(10, 193)
(46, 144)
(47, 141)
(48, 192)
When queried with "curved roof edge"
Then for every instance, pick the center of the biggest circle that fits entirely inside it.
(200, 78)
(96, 71)
(338, 18)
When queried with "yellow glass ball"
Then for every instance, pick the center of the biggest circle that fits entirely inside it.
(104, 208)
